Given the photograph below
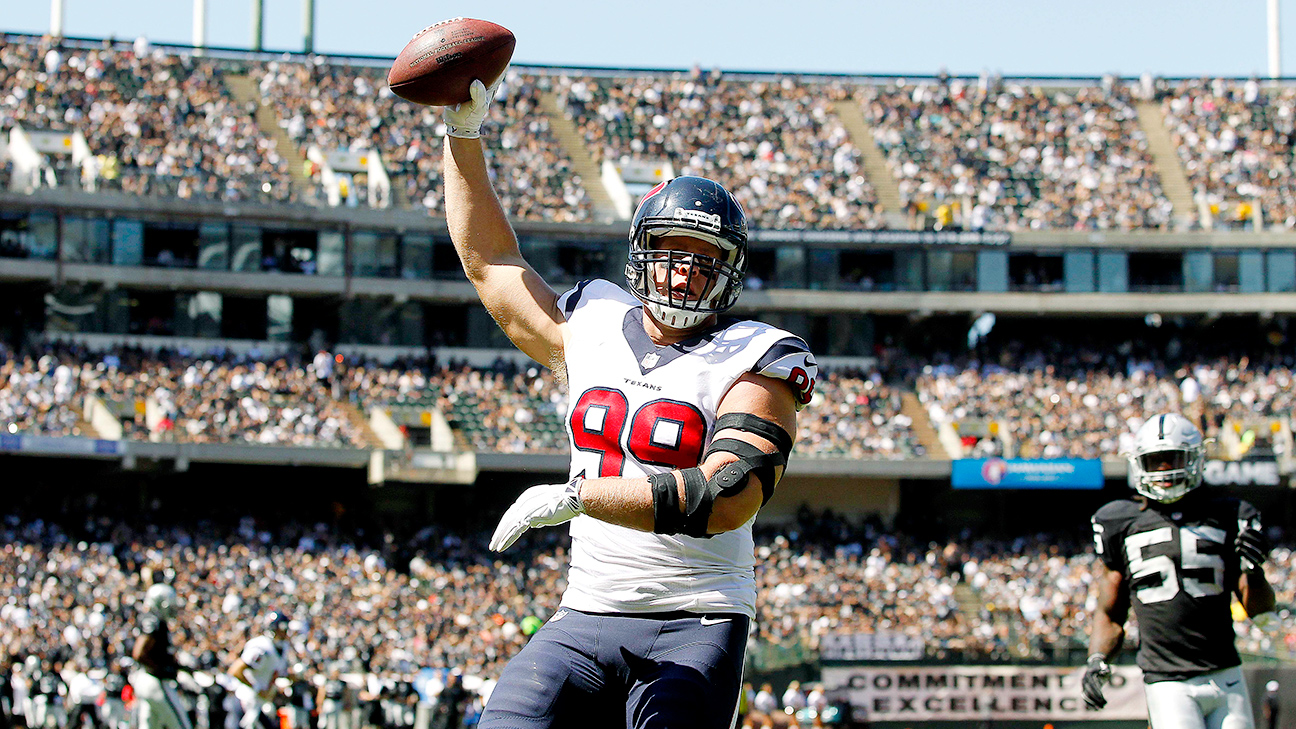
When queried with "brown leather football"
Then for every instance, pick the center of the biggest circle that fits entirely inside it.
(439, 65)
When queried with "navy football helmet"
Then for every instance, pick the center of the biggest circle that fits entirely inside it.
(698, 208)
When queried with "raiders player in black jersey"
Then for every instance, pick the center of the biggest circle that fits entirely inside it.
(1177, 555)
(154, 680)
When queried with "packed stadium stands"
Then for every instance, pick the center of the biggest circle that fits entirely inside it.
(156, 122)
(357, 606)
(977, 154)
(774, 142)
(1024, 157)
(1042, 404)
(213, 398)
(1015, 156)
(349, 107)
(1233, 140)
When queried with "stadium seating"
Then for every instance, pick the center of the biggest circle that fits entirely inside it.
(1017, 156)
(774, 142)
(992, 154)
(1050, 406)
(1042, 406)
(984, 600)
(158, 124)
(340, 106)
(1235, 143)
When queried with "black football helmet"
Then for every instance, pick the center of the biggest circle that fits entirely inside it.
(699, 208)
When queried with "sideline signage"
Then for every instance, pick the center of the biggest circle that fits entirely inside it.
(55, 445)
(1242, 473)
(880, 646)
(1016, 473)
(961, 693)
(887, 237)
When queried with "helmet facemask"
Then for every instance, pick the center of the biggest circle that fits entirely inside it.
(697, 208)
(1168, 475)
(650, 274)
(1168, 459)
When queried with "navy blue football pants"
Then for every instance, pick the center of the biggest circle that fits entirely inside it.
(656, 671)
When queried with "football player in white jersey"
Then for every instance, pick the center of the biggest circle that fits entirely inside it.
(1178, 555)
(681, 421)
(262, 660)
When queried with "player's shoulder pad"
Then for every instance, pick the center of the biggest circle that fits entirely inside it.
(1115, 513)
(789, 359)
(590, 291)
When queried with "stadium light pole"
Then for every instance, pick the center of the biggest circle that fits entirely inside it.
(1275, 42)
(199, 26)
(56, 18)
(308, 26)
(258, 21)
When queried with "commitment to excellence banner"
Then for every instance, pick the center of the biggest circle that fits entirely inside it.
(958, 693)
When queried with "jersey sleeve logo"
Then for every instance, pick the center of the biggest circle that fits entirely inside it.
(791, 361)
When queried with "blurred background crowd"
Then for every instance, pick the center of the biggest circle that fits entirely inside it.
(376, 609)
(1046, 402)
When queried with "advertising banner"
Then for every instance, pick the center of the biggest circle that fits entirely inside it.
(880, 646)
(1242, 473)
(51, 445)
(1014, 473)
(962, 693)
(887, 237)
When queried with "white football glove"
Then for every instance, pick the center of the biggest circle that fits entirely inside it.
(464, 120)
(538, 506)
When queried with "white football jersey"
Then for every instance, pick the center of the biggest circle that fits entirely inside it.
(637, 409)
(265, 661)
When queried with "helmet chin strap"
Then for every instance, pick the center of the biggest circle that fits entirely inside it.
(674, 318)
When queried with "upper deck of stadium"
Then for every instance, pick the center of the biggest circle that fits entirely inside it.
(802, 152)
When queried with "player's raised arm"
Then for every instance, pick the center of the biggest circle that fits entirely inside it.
(520, 301)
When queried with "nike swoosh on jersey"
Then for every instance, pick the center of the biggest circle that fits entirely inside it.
(1231, 685)
(714, 621)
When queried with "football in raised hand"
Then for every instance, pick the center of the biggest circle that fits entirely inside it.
(439, 65)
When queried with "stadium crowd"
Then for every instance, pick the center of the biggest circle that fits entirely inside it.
(981, 154)
(174, 397)
(382, 608)
(222, 397)
(1234, 140)
(1085, 404)
(1011, 156)
(156, 123)
(1023, 403)
(776, 143)
(349, 107)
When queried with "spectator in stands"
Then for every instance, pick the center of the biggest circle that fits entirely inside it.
(776, 143)
(1234, 141)
(169, 119)
(1018, 157)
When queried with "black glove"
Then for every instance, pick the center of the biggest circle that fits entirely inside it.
(1252, 548)
(1097, 674)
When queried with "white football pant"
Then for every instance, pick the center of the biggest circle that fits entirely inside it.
(1216, 700)
(157, 705)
